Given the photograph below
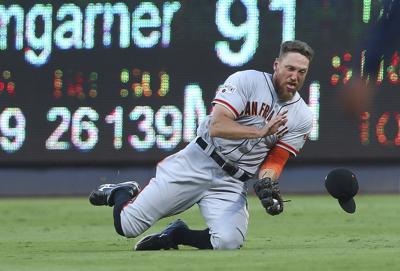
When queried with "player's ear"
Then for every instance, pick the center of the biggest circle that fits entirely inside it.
(276, 62)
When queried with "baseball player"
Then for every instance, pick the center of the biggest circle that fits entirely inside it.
(257, 122)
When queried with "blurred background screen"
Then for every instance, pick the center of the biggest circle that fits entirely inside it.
(111, 83)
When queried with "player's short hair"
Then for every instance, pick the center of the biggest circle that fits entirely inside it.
(297, 46)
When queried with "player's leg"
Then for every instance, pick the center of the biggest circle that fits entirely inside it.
(133, 214)
(227, 218)
(198, 176)
(200, 239)
(176, 233)
(172, 191)
(178, 185)
(117, 195)
(224, 208)
(121, 199)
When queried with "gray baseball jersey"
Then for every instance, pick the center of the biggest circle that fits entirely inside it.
(252, 99)
(194, 176)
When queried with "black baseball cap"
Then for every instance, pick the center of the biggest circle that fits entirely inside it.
(342, 184)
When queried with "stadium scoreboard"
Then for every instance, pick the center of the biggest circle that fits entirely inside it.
(97, 82)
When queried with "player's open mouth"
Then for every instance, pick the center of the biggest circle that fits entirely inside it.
(291, 86)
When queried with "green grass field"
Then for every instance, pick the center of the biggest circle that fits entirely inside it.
(312, 234)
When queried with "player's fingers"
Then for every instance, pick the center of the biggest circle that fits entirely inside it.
(280, 124)
(273, 124)
(274, 128)
(282, 118)
(275, 121)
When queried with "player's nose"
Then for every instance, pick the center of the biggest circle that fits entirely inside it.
(293, 77)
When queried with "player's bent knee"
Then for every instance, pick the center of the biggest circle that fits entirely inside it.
(132, 230)
(229, 239)
(132, 226)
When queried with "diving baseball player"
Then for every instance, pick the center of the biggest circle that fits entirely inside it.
(257, 122)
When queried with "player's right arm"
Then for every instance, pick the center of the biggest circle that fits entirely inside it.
(223, 125)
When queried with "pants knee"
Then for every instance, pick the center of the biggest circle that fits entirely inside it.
(131, 234)
(229, 239)
(132, 228)
(132, 225)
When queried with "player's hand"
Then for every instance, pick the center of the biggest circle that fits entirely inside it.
(270, 196)
(273, 125)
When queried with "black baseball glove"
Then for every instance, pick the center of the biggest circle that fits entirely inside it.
(268, 191)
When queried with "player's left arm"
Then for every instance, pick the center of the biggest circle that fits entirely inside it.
(273, 165)
(267, 188)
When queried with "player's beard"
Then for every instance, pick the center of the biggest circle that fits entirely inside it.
(287, 89)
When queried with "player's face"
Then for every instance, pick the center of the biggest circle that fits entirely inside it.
(290, 71)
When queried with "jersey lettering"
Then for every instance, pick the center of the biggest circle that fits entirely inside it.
(270, 115)
(252, 108)
(264, 112)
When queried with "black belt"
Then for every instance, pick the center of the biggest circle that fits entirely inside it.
(229, 168)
